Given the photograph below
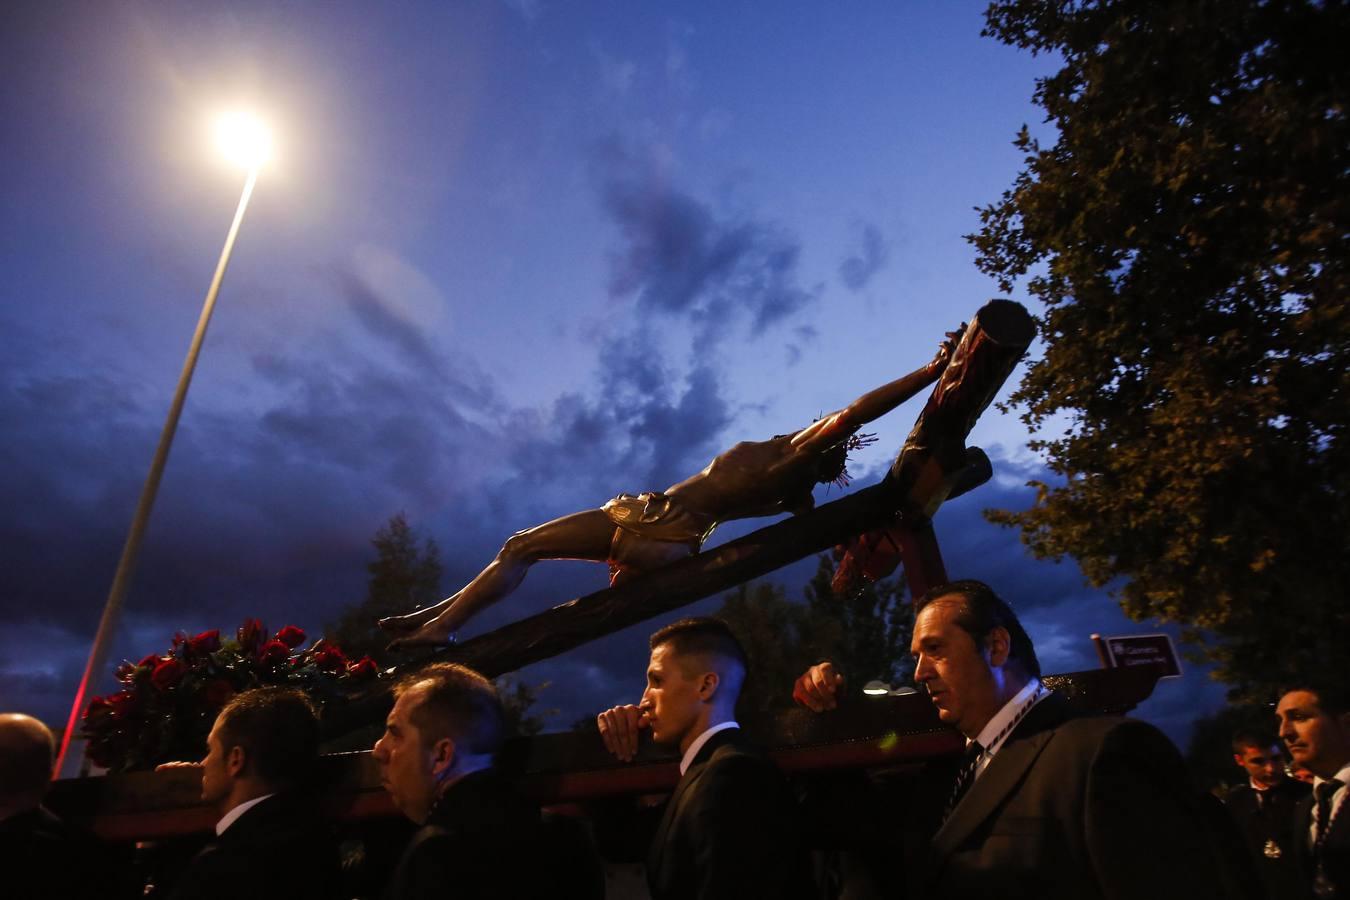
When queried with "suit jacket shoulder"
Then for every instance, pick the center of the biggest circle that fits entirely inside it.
(282, 848)
(484, 840)
(729, 829)
(1071, 805)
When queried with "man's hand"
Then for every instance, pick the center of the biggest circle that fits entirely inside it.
(177, 764)
(818, 689)
(619, 729)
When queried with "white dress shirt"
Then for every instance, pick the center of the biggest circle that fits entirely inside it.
(233, 815)
(699, 741)
(996, 732)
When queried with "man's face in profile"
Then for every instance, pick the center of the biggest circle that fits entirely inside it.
(953, 669)
(672, 700)
(1263, 765)
(215, 769)
(406, 762)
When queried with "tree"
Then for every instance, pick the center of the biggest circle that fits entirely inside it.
(405, 574)
(1186, 234)
(866, 634)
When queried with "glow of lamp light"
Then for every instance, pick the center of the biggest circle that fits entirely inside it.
(243, 139)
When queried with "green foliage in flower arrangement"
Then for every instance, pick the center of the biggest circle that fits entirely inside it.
(169, 701)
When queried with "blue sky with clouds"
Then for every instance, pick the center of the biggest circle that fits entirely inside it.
(512, 258)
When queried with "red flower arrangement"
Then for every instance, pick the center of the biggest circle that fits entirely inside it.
(168, 702)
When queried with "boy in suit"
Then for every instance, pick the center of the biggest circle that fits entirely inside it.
(728, 831)
(1264, 809)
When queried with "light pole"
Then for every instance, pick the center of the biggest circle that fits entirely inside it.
(245, 140)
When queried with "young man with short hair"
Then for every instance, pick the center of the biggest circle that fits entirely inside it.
(270, 840)
(1314, 723)
(730, 828)
(1264, 808)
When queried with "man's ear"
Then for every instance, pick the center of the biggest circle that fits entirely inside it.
(998, 644)
(708, 685)
(1237, 758)
(442, 757)
(236, 761)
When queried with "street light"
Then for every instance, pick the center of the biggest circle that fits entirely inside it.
(245, 141)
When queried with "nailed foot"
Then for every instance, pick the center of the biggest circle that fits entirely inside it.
(406, 624)
(430, 634)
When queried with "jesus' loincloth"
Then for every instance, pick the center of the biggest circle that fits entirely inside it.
(653, 530)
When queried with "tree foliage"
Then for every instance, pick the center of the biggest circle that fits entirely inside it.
(1186, 233)
(405, 574)
(865, 634)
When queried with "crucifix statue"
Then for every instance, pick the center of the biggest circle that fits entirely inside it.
(638, 533)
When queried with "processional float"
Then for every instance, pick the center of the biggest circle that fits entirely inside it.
(883, 526)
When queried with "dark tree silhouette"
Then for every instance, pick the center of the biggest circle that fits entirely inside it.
(866, 634)
(1186, 233)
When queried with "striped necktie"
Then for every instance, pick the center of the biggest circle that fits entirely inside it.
(965, 777)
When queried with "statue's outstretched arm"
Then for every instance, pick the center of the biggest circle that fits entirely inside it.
(876, 403)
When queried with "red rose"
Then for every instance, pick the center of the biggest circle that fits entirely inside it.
(273, 652)
(218, 692)
(168, 673)
(250, 634)
(291, 636)
(120, 703)
(206, 642)
(365, 668)
(97, 706)
(126, 673)
(330, 658)
(150, 661)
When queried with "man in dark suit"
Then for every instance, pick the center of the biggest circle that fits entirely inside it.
(478, 837)
(729, 830)
(270, 842)
(1264, 809)
(1315, 725)
(41, 855)
(1043, 804)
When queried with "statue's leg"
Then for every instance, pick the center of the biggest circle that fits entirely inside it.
(585, 535)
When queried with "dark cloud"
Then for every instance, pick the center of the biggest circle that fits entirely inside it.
(858, 268)
(679, 257)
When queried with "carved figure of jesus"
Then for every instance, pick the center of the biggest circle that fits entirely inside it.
(637, 533)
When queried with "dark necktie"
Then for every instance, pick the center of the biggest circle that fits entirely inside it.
(965, 777)
(1324, 792)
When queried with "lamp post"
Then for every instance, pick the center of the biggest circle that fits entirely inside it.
(244, 140)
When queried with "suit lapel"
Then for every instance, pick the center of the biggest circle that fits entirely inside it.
(682, 792)
(1004, 772)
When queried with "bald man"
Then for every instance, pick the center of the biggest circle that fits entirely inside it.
(41, 856)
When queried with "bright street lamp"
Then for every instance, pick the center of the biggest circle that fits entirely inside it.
(244, 140)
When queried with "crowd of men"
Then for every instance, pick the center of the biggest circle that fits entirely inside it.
(1044, 803)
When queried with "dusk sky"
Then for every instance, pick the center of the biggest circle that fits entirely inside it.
(511, 259)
